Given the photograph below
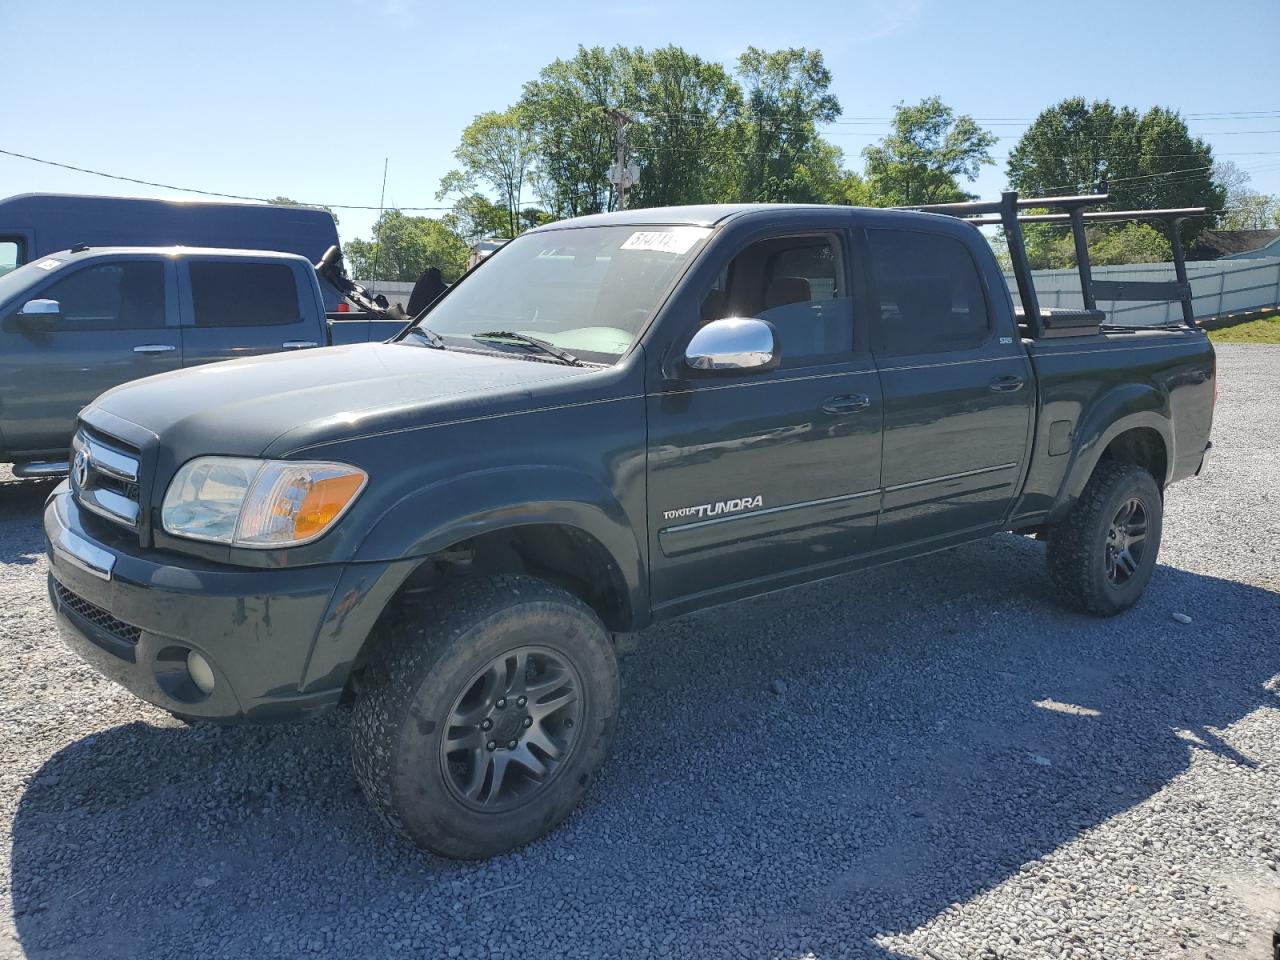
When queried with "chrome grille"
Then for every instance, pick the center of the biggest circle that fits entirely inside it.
(104, 477)
(94, 614)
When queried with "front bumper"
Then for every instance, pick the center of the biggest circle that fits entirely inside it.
(136, 619)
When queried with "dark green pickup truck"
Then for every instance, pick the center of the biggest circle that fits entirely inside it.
(614, 420)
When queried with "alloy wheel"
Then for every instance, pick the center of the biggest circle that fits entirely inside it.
(512, 728)
(1126, 542)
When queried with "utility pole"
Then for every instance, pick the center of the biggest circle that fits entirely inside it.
(622, 174)
(382, 202)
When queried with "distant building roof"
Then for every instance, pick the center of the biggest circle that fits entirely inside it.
(1213, 244)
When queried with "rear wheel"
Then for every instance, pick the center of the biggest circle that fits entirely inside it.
(1103, 554)
(482, 722)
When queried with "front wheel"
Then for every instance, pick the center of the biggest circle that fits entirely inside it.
(482, 723)
(1103, 554)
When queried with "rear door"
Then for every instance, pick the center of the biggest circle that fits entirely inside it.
(118, 322)
(244, 306)
(958, 389)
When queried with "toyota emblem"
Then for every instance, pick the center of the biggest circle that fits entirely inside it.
(80, 468)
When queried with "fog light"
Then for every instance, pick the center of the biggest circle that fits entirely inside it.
(201, 672)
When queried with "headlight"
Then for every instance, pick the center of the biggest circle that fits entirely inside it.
(258, 503)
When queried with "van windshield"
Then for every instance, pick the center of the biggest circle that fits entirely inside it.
(588, 290)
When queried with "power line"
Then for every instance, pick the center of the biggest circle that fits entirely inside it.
(1182, 173)
(205, 193)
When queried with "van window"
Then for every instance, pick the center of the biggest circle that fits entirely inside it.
(10, 256)
(798, 285)
(229, 294)
(929, 293)
(110, 296)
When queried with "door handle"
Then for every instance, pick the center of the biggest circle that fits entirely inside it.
(848, 403)
(299, 344)
(1009, 384)
(154, 348)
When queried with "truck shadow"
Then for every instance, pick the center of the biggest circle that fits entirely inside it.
(798, 774)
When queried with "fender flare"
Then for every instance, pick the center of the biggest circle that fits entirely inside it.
(1124, 408)
(434, 517)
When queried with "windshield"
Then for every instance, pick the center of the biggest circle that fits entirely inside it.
(588, 290)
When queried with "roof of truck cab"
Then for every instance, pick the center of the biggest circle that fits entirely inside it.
(693, 215)
(711, 214)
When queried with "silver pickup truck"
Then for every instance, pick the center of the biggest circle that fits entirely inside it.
(76, 323)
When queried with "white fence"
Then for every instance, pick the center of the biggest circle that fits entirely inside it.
(1217, 286)
(393, 290)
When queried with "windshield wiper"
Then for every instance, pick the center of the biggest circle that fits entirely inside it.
(542, 346)
(432, 338)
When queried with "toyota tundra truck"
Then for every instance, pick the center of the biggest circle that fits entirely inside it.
(619, 419)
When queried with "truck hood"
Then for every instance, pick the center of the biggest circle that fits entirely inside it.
(281, 402)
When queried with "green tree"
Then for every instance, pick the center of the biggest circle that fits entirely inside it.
(1054, 248)
(1252, 211)
(698, 133)
(687, 137)
(786, 95)
(929, 152)
(475, 217)
(1073, 147)
(1147, 160)
(567, 110)
(497, 150)
(1132, 243)
(402, 247)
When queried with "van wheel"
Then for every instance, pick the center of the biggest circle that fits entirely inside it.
(1103, 554)
(481, 723)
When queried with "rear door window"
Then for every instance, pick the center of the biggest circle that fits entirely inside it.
(110, 296)
(255, 294)
(928, 292)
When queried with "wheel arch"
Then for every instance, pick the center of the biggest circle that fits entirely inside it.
(556, 524)
(1131, 424)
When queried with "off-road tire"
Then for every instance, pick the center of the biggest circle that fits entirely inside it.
(1077, 546)
(402, 710)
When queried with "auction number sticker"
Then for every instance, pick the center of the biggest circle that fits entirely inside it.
(677, 240)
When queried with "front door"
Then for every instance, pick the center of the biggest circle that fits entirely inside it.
(116, 323)
(754, 477)
(958, 389)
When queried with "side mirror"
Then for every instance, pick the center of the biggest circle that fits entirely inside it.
(40, 313)
(733, 345)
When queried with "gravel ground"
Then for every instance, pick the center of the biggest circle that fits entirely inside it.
(929, 760)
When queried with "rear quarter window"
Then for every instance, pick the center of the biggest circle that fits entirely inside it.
(229, 294)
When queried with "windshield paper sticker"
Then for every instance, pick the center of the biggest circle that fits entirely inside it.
(677, 241)
(47, 264)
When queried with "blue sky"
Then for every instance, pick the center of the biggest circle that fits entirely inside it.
(306, 99)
